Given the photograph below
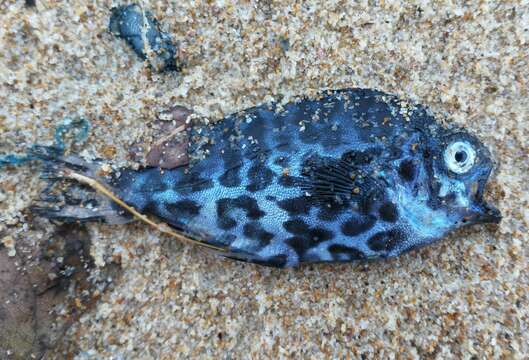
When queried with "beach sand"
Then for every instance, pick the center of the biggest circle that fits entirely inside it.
(464, 297)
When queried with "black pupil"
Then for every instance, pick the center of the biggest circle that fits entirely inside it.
(461, 156)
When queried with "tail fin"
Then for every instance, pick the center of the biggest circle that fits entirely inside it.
(77, 193)
(63, 199)
(88, 197)
(67, 200)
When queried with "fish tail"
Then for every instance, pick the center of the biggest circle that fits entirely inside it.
(63, 199)
(79, 191)
(87, 196)
(66, 198)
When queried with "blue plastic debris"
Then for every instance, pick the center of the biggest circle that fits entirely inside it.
(79, 126)
(143, 33)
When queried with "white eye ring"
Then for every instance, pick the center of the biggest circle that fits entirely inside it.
(459, 157)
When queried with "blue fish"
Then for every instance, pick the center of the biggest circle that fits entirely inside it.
(347, 175)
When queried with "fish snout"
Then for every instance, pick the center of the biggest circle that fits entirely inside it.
(484, 213)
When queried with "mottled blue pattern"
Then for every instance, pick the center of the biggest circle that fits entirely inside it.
(353, 174)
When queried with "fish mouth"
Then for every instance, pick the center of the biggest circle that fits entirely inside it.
(485, 213)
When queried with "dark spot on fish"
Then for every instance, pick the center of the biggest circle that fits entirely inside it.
(296, 206)
(296, 226)
(223, 221)
(358, 225)
(299, 244)
(345, 253)
(319, 234)
(226, 205)
(250, 205)
(150, 208)
(183, 208)
(306, 237)
(191, 183)
(288, 181)
(260, 177)
(331, 210)
(367, 201)
(273, 261)
(253, 230)
(312, 235)
(388, 212)
(386, 240)
(407, 170)
(232, 158)
(231, 178)
(361, 158)
(153, 182)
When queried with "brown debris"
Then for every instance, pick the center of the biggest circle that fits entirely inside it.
(168, 148)
(36, 287)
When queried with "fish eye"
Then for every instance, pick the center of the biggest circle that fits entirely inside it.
(459, 157)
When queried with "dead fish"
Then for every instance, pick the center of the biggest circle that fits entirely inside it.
(351, 174)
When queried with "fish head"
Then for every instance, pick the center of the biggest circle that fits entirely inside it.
(461, 167)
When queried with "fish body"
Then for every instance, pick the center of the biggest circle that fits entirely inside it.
(351, 174)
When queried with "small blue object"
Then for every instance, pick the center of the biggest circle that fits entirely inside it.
(143, 33)
(12, 159)
(79, 126)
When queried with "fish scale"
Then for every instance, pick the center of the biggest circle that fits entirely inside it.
(348, 175)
